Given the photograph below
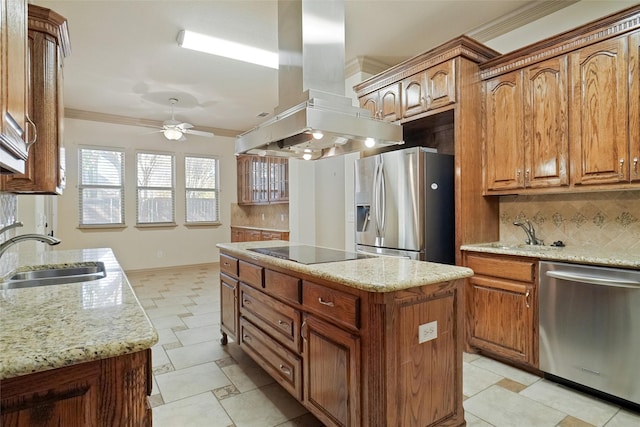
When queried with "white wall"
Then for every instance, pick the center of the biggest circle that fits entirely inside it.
(143, 248)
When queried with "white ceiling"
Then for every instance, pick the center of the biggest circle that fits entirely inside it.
(125, 60)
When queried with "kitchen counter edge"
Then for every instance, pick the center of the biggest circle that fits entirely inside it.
(55, 326)
(378, 274)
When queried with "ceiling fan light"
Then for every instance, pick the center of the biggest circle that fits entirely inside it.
(172, 134)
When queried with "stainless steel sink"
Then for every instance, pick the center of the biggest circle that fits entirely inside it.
(55, 275)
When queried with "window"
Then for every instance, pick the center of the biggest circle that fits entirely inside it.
(201, 192)
(155, 190)
(101, 187)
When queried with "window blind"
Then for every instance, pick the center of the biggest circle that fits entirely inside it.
(101, 187)
(201, 190)
(155, 200)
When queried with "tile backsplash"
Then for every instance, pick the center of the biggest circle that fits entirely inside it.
(8, 211)
(275, 216)
(608, 219)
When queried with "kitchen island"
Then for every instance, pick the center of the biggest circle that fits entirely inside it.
(76, 353)
(360, 342)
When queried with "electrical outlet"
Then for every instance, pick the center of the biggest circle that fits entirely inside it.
(427, 331)
(160, 254)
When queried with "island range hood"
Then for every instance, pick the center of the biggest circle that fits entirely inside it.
(314, 119)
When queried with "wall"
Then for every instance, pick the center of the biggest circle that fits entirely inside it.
(607, 220)
(144, 248)
(275, 216)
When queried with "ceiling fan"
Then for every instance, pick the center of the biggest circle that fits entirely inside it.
(174, 130)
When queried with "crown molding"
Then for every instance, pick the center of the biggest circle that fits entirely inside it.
(72, 113)
(365, 64)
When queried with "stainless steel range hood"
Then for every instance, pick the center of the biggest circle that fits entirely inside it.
(311, 91)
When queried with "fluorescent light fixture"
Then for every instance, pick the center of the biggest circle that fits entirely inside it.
(220, 47)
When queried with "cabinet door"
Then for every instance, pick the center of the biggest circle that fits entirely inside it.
(390, 103)
(370, 102)
(228, 305)
(634, 106)
(599, 119)
(414, 91)
(331, 377)
(441, 85)
(237, 235)
(503, 132)
(13, 80)
(546, 124)
(243, 165)
(501, 317)
(278, 180)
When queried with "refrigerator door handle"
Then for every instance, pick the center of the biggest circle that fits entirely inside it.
(376, 199)
(383, 201)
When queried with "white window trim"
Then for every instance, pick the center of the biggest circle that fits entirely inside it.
(173, 189)
(215, 190)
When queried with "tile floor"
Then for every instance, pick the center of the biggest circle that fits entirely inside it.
(198, 382)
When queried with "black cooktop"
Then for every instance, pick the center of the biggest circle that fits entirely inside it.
(309, 254)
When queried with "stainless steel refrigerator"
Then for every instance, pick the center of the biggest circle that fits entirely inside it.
(404, 205)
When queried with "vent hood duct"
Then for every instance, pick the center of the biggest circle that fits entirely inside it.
(311, 91)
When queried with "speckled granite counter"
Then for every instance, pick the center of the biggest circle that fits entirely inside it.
(379, 274)
(581, 255)
(54, 326)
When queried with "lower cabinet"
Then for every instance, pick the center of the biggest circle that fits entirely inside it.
(242, 234)
(353, 358)
(502, 307)
(103, 393)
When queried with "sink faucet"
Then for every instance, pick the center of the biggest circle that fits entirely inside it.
(39, 237)
(10, 226)
(531, 232)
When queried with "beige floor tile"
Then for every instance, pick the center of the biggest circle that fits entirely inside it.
(197, 335)
(169, 310)
(506, 371)
(575, 403)
(200, 320)
(196, 354)
(247, 377)
(625, 418)
(306, 420)
(477, 379)
(202, 410)
(166, 336)
(570, 421)
(270, 406)
(473, 421)
(511, 385)
(159, 356)
(191, 381)
(503, 408)
(167, 322)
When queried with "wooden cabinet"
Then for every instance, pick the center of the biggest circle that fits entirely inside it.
(16, 130)
(501, 300)
(526, 128)
(243, 234)
(429, 90)
(580, 111)
(103, 393)
(228, 297)
(599, 117)
(384, 104)
(352, 357)
(48, 45)
(262, 180)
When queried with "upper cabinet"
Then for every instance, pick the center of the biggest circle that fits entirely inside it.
(262, 180)
(384, 104)
(48, 45)
(563, 114)
(429, 89)
(14, 123)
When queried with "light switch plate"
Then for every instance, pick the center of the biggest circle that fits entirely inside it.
(427, 331)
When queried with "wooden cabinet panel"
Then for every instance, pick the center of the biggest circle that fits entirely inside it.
(252, 235)
(384, 104)
(501, 300)
(331, 386)
(262, 180)
(634, 106)
(228, 307)
(229, 265)
(251, 274)
(599, 115)
(48, 46)
(414, 94)
(331, 304)
(441, 85)
(277, 319)
(546, 124)
(237, 235)
(14, 83)
(283, 286)
(240, 234)
(283, 365)
(503, 132)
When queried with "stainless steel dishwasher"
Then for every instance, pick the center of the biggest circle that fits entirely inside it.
(590, 327)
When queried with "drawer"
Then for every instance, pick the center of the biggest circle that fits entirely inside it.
(251, 274)
(334, 305)
(271, 235)
(283, 365)
(276, 318)
(503, 267)
(229, 265)
(282, 286)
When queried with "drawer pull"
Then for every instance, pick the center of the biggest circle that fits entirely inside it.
(226, 264)
(285, 369)
(327, 303)
(246, 338)
(246, 302)
(526, 298)
(283, 324)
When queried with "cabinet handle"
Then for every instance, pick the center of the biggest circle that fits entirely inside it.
(635, 166)
(526, 176)
(35, 133)
(620, 171)
(226, 264)
(246, 302)
(327, 303)
(283, 324)
(303, 330)
(285, 369)
(526, 298)
(246, 338)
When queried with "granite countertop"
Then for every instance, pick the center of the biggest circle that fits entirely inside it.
(582, 254)
(50, 327)
(377, 274)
